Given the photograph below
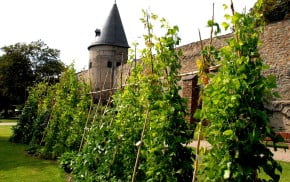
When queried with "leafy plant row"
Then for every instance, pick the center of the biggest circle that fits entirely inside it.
(145, 141)
(233, 104)
(53, 118)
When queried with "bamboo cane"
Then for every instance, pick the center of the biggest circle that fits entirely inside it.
(139, 146)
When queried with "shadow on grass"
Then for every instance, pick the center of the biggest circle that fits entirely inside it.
(3, 139)
(14, 156)
(9, 120)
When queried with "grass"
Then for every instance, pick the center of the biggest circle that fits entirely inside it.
(285, 173)
(16, 165)
(10, 120)
(285, 176)
(278, 145)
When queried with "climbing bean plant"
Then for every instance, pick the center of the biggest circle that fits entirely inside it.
(67, 117)
(146, 139)
(54, 116)
(23, 131)
(233, 104)
(45, 105)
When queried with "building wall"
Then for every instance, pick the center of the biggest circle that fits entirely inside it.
(103, 64)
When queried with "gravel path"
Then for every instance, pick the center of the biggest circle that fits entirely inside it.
(280, 154)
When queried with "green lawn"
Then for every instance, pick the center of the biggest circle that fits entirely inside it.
(285, 172)
(17, 166)
(10, 120)
(285, 177)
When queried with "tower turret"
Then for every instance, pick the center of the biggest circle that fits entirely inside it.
(107, 52)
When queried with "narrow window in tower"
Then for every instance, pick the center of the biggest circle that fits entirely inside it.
(90, 65)
(118, 64)
(109, 64)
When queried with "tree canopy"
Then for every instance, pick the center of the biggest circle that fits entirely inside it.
(21, 66)
(272, 10)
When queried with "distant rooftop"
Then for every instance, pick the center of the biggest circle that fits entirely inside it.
(113, 32)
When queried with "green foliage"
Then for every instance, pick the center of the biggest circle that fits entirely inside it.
(271, 10)
(66, 160)
(150, 100)
(54, 116)
(43, 61)
(23, 65)
(15, 78)
(67, 116)
(23, 131)
(44, 109)
(95, 160)
(233, 105)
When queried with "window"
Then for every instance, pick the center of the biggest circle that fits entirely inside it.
(118, 64)
(109, 64)
(90, 65)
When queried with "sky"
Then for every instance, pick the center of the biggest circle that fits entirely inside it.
(69, 25)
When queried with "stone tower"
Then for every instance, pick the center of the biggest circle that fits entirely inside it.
(107, 52)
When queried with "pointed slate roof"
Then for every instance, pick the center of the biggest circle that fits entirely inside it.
(113, 32)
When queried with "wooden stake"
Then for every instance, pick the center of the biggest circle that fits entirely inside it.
(200, 40)
(206, 71)
(235, 27)
(86, 125)
(139, 146)
(211, 31)
(197, 154)
(100, 98)
(150, 41)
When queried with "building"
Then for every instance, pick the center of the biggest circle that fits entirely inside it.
(109, 53)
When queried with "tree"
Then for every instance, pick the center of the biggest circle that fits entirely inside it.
(45, 62)
(15, 77)
(22, 65)
(271, 10)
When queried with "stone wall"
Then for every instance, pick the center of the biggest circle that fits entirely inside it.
(280, 116)
(192, 51)
(275, 52)
(122, 74)
(84, 75)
